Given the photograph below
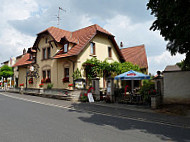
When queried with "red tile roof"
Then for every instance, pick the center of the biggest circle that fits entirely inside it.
(25, 60)
(80, 37)
(135, 55)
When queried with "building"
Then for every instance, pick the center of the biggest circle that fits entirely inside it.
(137, 56)
(57, 53)
(12, 80)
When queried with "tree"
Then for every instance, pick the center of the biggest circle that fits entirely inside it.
(183, 66)
(97, 68)
(6, 71)
(173, 22)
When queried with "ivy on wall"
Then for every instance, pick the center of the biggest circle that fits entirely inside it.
(96, 68)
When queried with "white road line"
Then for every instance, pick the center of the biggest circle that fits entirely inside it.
(95, 112)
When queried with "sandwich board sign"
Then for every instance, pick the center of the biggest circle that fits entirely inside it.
(90, 98)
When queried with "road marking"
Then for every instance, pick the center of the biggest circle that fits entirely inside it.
(96, 112)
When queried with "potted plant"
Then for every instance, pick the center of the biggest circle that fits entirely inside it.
(41, 85)
(70, 86)
(21, 85)
(83, 97)
(21, 88)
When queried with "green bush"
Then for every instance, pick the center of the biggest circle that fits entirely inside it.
(49, 86)
(147, 86)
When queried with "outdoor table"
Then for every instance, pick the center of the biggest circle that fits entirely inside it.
(137, 98)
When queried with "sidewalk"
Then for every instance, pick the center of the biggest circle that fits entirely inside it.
(141, 108)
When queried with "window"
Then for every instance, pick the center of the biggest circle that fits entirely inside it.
(48, 74)
(44, 53)
(92, 48)
(48, 53)
(66, 47)
(109, 52)
(66, 72)
(44, 74)
(46, 40)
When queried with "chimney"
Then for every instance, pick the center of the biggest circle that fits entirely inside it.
(121, 44)
(24, 51)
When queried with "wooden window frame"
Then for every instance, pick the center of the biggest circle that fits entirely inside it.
(109, 52)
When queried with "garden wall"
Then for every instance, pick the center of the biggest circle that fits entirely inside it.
(177, 87)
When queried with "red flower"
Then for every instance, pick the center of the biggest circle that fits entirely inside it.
(21, 84)
(41, 85)
(70, 85)
(43, 81)
(85, 94)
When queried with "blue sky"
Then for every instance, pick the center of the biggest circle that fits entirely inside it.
(128, 20)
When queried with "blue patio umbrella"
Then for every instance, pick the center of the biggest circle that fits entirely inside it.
(132, 75)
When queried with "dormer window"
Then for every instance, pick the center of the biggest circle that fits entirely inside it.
(65, 47)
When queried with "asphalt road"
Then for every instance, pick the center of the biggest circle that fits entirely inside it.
(27, 120)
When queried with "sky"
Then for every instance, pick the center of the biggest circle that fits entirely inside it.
(128, 20)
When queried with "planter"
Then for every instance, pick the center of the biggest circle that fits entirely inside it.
(155, 101)
(21, 89)
(41, 90)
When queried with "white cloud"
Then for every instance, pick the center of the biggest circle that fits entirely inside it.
(132, 34)
(159, 62)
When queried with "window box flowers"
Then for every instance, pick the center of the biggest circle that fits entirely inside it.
(48, 80)
(43, 81)
(30, 81)
(65, 79)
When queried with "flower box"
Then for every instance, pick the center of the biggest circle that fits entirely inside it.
(65, 79)
(43, 81)
(48, 80)
(30, 81)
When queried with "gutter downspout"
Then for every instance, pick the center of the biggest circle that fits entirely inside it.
(73, 67)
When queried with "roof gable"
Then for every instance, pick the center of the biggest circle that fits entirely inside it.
(24, 60)
(135, 55)
(79, 37)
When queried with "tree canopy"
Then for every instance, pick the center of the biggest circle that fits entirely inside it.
(6, 71)
(173, 22)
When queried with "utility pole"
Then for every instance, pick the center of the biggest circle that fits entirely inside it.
(58, 16)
